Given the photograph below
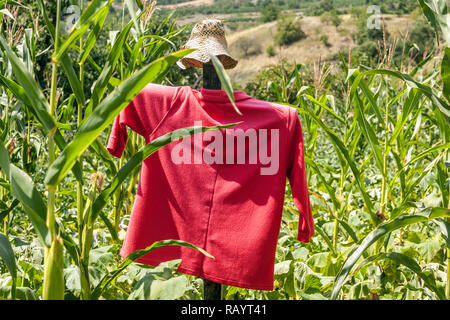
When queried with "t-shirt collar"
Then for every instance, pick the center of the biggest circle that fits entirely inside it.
(221, 95)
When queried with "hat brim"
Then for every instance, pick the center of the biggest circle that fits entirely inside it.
(200, 56)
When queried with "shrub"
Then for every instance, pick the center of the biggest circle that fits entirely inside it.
(270, 50)
(246, 46)
(324, 39)
(331, 18)
(289, 31)
(270, 12)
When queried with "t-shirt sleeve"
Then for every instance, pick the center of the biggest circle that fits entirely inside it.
(297, 179)
(142, 115)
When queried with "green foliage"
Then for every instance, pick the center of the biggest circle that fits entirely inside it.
(66, 270)
(398, 7)
(289, 30)
(270, 50)
(354, 123)
(331, 17)
(324, 39)
(376, 139)
(270, 12)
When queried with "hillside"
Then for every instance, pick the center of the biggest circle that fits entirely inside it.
(304, 51)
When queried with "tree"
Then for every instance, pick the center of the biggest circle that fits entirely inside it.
(326, 5)
(247, 46)
(335, 19)
(289, 30)
(331, 17)
(270, 12)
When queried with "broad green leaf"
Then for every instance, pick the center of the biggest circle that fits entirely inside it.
(368, 132)
(411, 264)
(325, 237)
(24, 190)
(39, 102)
(105, 113)
(379, 232)
(416, 158)
(358, 81)
(16, 89)
(66, 61)
(138, 158)
(443, 107)
(444, 226)
(150, 288)
(30, 86)
(359, 291)
(7, 254)
(93, 35)
(95, 9)
(341, 149)
(4, 161)
(22, 293)
(323, 105)
(108, 69)
(225, 80)
(106, 280)
(318, 260)
(437, 14)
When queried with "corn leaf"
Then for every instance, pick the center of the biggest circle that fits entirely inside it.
(23, 189)
(225, 80)
(105, 113)
(7, 254)
(368, 132)
(66, 61)
(106, 280)
(428, 279)
(35, 98)
(93, 35)
(380, 231)
(108, 69)
(437, 14)
(95, 10)
(341, 149)
(139, 157)
(443, 107)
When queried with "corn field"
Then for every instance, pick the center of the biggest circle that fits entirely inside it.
(376, 151)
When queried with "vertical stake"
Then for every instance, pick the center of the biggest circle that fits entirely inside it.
(212, 290)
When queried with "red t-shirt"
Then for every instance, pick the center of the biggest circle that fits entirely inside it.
(221, 190)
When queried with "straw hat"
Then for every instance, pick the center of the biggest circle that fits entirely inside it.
(208, 35)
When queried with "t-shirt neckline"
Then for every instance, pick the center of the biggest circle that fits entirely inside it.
(220, 95)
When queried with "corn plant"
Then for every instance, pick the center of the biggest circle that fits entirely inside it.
(377, 158)
(135, 59)
(376, 150)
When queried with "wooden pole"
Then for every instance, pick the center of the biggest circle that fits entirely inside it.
(212, 290)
